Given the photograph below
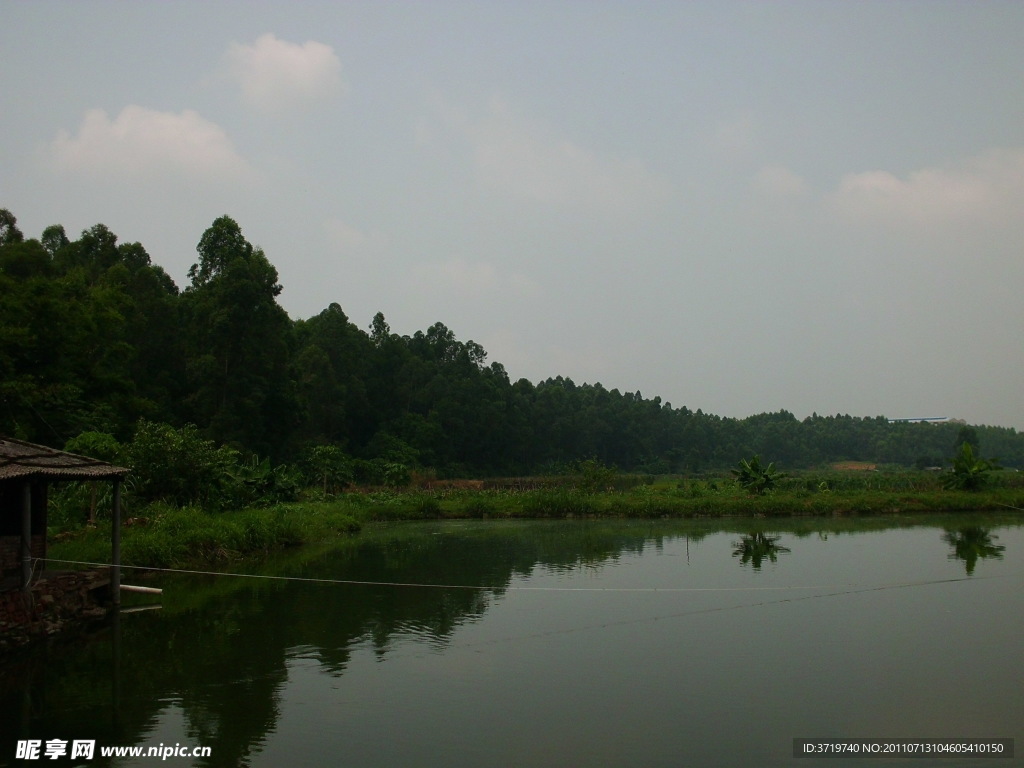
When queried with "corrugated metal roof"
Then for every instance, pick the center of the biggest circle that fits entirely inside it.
(21, 459)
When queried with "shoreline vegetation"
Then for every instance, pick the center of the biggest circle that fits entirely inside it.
(166, 536)
(247, 431)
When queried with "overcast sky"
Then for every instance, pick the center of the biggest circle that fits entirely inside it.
(740, 207)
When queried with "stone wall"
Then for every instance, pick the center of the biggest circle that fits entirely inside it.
(10, 553)
(54, 603)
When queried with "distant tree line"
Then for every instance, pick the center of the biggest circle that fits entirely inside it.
(94, 337)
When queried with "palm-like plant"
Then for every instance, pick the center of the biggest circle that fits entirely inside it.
(756, 547)
(971, 543)
(969, 472)
(755, 478)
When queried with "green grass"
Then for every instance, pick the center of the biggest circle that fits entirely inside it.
(685, 499)
(167, 537)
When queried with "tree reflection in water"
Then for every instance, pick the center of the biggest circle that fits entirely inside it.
(227, 659)
(971, 543)
(755, 547)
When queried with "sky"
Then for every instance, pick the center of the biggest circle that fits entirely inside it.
(739, 207)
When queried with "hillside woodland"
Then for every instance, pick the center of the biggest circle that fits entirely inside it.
(99, 346)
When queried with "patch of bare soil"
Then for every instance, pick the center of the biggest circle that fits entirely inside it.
(854, 466)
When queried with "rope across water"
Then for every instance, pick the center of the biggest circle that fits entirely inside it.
(417, 585)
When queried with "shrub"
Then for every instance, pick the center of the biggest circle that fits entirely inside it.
(257, 483)
(328, 466)
(178, 466)
(593, 475)
(757, 479)
(381, 472)
(969, 473)
(557, 502)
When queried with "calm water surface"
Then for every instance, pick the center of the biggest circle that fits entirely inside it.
(585, 643)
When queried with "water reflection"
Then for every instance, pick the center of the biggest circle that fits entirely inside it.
(757, 546)
(220, 649)
(972, 543)
(226, 653)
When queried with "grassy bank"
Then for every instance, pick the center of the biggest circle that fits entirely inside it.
(168, 537)
(651, 501)
(165, 536)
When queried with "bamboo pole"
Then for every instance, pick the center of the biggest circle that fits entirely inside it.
(144, 590)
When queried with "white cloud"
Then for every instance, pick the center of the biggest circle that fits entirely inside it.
(528, 159)
(986, 188)
(278, 76)
(141, 142)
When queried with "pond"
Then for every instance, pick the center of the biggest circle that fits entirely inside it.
(584, 643)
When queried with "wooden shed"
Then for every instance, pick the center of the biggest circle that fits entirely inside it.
(26, 472)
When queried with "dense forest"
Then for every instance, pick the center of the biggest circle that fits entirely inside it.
(96, 338)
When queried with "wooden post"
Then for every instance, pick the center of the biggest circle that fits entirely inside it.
(115, 530)
(115, 687)
(26, 534)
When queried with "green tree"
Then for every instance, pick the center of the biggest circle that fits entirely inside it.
(54, 239)
(330, 370)
(756, 478)
(592, 475)
(178, 465)
(969, 472)
(329, 466)
(969, 436)
(237, 342)
(9, 232)
(257, 482)
(380, 331)
(95, 445)
(56, 332)
(24, 259)
(153, 318)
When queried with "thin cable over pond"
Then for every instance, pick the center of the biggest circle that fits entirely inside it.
(356, 582)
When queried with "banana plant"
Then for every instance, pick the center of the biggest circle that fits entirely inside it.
(969, 472)
(755, 478)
